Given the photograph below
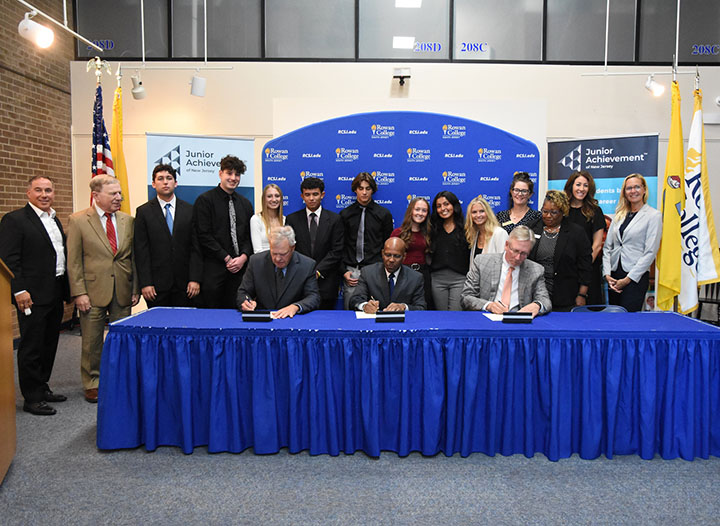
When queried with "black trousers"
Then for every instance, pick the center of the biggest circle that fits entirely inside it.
(632, 296)
(39, 334)
(174, 297)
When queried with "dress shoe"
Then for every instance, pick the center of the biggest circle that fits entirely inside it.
(38, 408)
(52, 397)
(91, 395)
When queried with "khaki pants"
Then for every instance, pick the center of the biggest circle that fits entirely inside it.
(92, 326)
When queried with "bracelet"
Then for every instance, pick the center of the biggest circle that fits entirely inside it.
(582, 295)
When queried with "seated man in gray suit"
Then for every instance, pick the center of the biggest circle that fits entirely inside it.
(389, 285)
(507, 282)
(280, 279)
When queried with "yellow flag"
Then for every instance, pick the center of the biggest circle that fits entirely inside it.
(673, 202)
(116, 146)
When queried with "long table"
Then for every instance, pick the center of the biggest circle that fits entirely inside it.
(450, 382)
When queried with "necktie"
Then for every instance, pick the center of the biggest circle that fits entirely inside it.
(391, 284)
(168, 217)
(110, 230)
(360, 243)
(279, 280)
(507, 288)
(233, 227)
(313, 231)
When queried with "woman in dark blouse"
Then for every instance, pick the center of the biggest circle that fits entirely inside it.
(562, 248)
(520, 213)
(585, 212)
(450, 251)
(414, 232)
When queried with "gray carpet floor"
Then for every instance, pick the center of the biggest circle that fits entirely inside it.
(59, 477)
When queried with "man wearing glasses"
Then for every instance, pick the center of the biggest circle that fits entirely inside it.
(389, 285)
(507, 282)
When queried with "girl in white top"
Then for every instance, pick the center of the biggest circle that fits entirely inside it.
(482, 229)
(269, 216)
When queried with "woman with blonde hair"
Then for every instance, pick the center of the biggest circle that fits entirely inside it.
(268, 217)
(482, 229)
(632, 242)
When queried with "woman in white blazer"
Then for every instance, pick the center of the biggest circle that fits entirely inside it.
(482, 230)
(270, 216)
(631, 245)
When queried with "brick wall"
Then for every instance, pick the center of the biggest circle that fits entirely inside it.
(34, 110)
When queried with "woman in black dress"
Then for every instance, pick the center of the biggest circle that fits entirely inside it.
(564, 251)
(585, 212)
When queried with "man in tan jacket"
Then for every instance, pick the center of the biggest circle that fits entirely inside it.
(101, 270)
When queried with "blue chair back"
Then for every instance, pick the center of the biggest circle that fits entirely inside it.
(599, 308)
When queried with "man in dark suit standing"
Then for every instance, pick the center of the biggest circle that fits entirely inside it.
(32, 244)
(319, 235)
(366, 225)
(280, 279)
(389, 285)
(221, 218)
(167, 254)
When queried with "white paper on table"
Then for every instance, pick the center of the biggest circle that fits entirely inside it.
(493, 317)
(362, 315)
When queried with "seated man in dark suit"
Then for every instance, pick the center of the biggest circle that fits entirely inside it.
(280, 279)
(508, 281)
(389, 285)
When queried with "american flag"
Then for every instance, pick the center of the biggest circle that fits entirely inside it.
(101, 157)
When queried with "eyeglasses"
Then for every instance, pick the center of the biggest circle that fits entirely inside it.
(635, 188)
(518, 253)
(520, 192)
(551, 212)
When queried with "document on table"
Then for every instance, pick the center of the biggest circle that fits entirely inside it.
(493, 317)
(360, 315)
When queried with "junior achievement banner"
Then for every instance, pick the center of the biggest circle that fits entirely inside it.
(609, 160)
(409, 153)
(197, 161)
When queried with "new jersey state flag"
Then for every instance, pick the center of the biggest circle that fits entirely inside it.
(673, 202)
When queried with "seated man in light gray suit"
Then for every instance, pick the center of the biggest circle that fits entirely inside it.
(503, 282)
(280, 279)
(389, 285)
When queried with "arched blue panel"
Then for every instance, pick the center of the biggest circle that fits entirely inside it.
(409, 153)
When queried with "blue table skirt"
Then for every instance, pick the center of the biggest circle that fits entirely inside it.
(590, 384)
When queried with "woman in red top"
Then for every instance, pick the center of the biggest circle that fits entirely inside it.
(414, 232)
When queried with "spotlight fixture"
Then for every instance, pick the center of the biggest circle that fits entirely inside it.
(654, 87)
(197, 86)
(138, 91)
(38, 34)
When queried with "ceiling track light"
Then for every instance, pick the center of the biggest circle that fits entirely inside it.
(654, 87)
(41, 36)
(138, 91)
(30, 29)
(197, 85)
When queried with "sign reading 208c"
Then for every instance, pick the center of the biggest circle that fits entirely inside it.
(473, 47)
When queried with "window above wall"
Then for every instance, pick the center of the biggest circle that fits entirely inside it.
(525, 31)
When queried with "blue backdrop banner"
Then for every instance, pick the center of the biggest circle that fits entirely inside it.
(409, 153)
(609, 160)
(197, 161)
